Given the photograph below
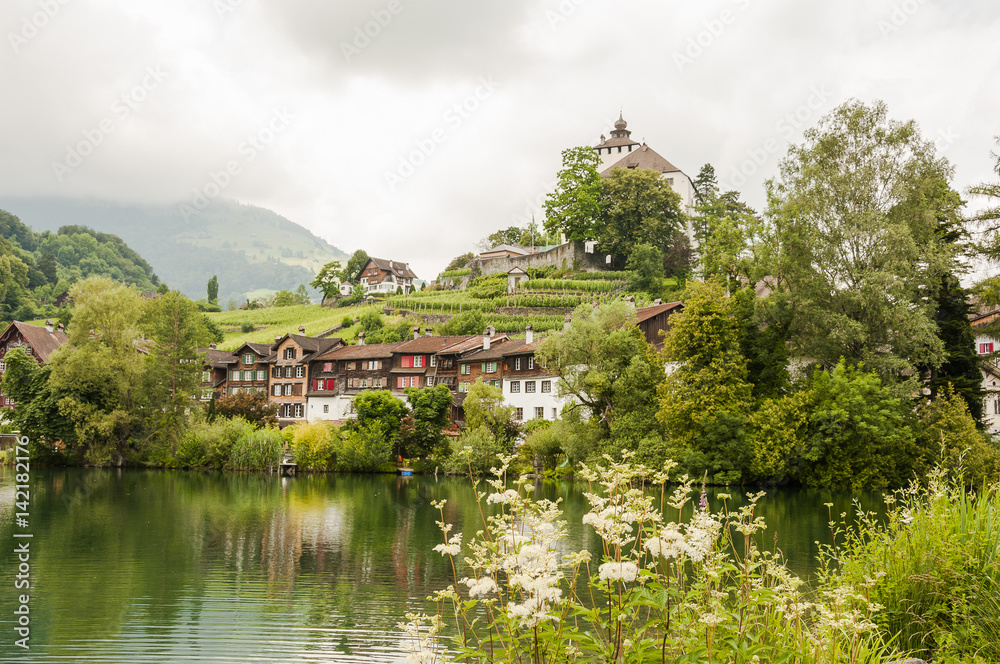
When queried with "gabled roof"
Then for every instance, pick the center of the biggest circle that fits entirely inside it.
(645, 158)
(311, 346)
(495, 352)
(645, 313)
(41, 340)
(466, 345)
(366, 352)
(517, 269)
(219, 358)
(422, 345)
(263, 350)
(520, 347)
(395, 267)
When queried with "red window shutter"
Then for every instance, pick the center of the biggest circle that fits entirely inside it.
(401, 382)
(407, 361)
(327, 367)
(315, 383)
(426, 361)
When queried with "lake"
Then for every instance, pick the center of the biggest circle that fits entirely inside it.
(132, 566)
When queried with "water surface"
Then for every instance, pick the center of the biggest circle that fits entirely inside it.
(175, 566)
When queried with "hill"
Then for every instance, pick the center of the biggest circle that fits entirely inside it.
(248, 247)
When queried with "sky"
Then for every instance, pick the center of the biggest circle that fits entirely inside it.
(414, 128)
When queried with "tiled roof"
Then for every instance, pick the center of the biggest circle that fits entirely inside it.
(428, 344)
(395, 267)
(645, 313)
(495, 352)
(219, 358)
(366, 352)
(512, 248)
(41, 340)
(311, 346)
(520, 347)
(645, 158)
(466, 344)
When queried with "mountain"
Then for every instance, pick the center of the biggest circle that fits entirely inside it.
(249, 248)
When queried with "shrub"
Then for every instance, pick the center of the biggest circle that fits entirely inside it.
(366, 448)
(312, 446)
(257, 450)
(476, 449)
(210, 444)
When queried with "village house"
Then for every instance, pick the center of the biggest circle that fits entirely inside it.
(484, 364)
(530, 389)
(38, 342)
(445, 363)
(289, 383)
(337, 376)
(248, 370)
(215, 371)
(654, 320)
(385, 277)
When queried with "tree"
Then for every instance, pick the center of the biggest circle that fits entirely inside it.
(509, 235)
(988, 220)
(13, 281)
(356, 263)
(465, 323)
(380, 406)
(213, 290)
(576, 202)
(706, 186)
(605, 363)
(646, 262)
(484, 408)
(706, 400)
(103, 371)
(855, 218)
(251, 406)
(328, 280)
(947, 435)
(459, 262)
(636, 207)
(37, 411)
(421, 429)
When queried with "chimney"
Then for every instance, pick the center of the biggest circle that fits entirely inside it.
(61, 327)
(213, 345)
(529, 334)
(566, 323)
(302, 329)
(657, 302)
(486, 339)
(427, 331)
(361, 338)
(48, 326)
(416, 333)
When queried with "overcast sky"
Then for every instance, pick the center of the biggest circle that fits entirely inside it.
(413, 128)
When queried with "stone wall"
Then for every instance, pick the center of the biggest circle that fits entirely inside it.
(570, 255)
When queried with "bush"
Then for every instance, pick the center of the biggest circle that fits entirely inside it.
(210, 444)
(246, 328)
(366, 448)
(347, 322)
(312, 445)
(257, 450)
(544, 442)
(476, 448)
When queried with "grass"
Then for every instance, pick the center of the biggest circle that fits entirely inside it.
(279, 321)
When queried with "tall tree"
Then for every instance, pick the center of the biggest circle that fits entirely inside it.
(355, 264)
(859, 252)
(213, 290)
(706, 186)
(637, 207)
(988, 220)
(705, 402)
(576, 202)
(328, 280)
(422, 428)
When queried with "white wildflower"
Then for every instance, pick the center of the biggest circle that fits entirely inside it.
(625, 571)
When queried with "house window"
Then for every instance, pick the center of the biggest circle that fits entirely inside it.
(364, 382)
(300, 372)
(463, 387)
(515, 386)
(414, 381)
(519, 414)
(495, 383)
(546, 386)
(286, 411)
(433, 360)
(985, 348)
(276, 372)
(529, 386)
(489, 367)
(531, 362)
(235, 375)
(288, 390)
(205, 375)
(232, 390)
(288, 371)
(517, 364)
(430, 381)
(248, 358)
(327, 367)
(350, 366)
(401, 382)
(326, 408)
(465, 370)
(555, 414)
(670, 182)
(298, 410)
(289, 353)
(260, 374)
(418, 361)
(277, 390)
(539, 413)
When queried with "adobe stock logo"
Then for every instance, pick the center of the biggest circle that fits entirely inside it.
(33, 24)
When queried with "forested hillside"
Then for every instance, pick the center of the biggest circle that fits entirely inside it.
(247, 247)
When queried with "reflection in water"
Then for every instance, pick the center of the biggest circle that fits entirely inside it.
(151, 566)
